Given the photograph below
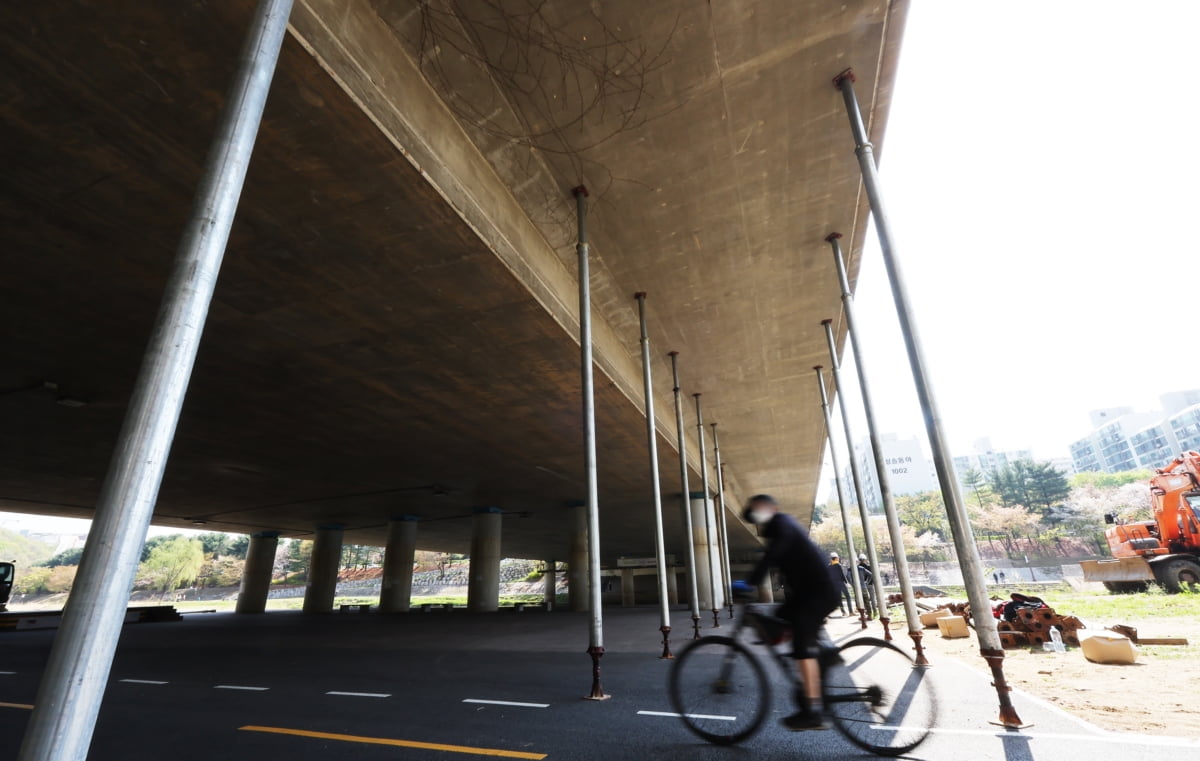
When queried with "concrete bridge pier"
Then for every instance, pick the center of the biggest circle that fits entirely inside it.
(395, 590)
(483, 585)
(256, 577)
(577, 558)
(323, 569)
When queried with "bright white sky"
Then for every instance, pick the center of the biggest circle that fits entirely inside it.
(1041, 186)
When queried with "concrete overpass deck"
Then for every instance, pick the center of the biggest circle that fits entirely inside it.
(394, 330)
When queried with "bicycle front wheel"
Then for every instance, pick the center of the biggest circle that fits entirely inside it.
(719, 690)
(879, 699)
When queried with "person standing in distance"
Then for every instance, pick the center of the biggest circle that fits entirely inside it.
(810, 594)
(837, 574)
(868, 578)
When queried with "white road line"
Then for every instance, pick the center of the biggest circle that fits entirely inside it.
(360, 694)
(141, 681)
(1108, 737)
(240, 687)
(690, 715)
(7, 673)
(507, 703)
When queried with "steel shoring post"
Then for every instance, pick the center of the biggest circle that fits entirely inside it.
(868, 536)
(722, 526)
(885, 488)
(855, 578)
(712, 578)
(68, 701)
(960, 527)
(596, 638)
(687, 507)
(652, 440)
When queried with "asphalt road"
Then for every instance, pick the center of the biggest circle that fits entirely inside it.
(219, 686)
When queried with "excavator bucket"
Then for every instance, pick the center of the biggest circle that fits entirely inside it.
(1117, 569)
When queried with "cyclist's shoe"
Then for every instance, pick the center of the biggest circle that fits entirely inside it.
(802, 721)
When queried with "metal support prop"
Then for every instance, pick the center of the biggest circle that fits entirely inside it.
(68, 701)
(899, 555)
(722, 526)
(712, 579)
(652, 441)
(687, 507)
(960, 527)
(855, 577)
(596, 638)
(856, 479)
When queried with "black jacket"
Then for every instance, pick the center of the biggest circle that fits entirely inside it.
(837, 575)
(802, 563)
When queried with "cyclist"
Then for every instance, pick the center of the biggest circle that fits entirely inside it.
(810, 594)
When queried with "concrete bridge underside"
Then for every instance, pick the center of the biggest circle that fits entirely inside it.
(395, 326)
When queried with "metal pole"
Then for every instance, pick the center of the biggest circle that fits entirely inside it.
(596, 639)
(911, 614)
(960, 527)
(687, 507)
(712, 578)
(868, 535)
(855, 579)
(722, 526)
(652, 440)
(60, 727)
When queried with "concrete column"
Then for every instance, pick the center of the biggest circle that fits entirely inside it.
(483, 579)
(672, 586)
(395, 590)
(256, 577)
(577, 559)
(704, 566)
(766, 590)
(628, 598)
(550, 578)
(323, 569)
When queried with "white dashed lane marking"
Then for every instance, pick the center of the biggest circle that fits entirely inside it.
(507, 703)
(142, 681)
(240, 687)
(690, 715)
(360, 694)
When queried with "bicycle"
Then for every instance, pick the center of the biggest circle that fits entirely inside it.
(876, 696)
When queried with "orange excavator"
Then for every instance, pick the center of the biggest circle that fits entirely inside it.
(1166, 549)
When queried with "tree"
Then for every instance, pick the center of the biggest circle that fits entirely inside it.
(23, 550)
(172, 563)
(974, 480)
(923, 513)
(1008, 523)
(299, 555)
(215, 543)
(66, 557)
(1034, 485)
(239, 545)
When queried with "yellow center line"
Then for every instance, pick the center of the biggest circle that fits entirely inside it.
(396, 743)
(22, 706)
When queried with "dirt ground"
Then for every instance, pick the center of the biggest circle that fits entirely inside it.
(1154, 696)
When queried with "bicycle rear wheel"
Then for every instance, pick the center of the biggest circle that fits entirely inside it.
(719, 690)
(878, 698)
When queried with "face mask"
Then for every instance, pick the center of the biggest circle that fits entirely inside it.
(761, 516)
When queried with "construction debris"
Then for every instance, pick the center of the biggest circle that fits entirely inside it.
(1132, 633)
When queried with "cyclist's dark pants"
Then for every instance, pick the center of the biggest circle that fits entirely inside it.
(807, 630)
